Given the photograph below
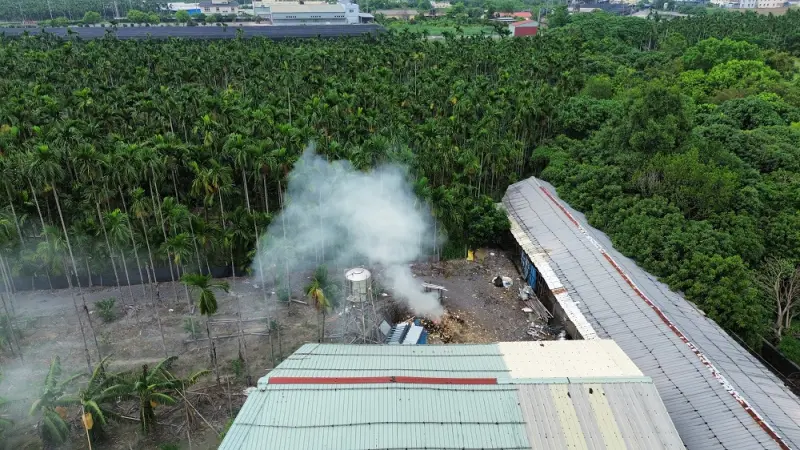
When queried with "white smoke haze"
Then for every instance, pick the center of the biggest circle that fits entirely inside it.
(336, 214)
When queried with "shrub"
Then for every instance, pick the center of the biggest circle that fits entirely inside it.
(105, 309)
(237, 367)
(790, 347)
(192, 327)
(283, 294)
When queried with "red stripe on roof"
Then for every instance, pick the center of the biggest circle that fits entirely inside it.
(706, 362)
(381, 380)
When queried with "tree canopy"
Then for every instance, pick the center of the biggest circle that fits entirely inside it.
(678, 138)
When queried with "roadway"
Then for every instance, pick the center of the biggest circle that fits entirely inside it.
(208, 32)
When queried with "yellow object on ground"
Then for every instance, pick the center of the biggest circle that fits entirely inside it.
(470, 255)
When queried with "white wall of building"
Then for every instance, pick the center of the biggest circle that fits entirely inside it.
(285, 13)
(220, 9)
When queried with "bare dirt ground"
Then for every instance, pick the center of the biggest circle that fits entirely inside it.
(50, 328)
(477, 312)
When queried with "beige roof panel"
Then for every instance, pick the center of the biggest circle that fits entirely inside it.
(562, 359)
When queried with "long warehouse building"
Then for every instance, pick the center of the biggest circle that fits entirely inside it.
(555, 395)
(718, 395)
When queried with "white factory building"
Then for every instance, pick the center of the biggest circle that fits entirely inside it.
(286, 13)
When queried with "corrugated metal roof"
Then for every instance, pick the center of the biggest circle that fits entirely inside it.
(596, 416)
(555, 359)
(382, 416)
(518, 413)
(703, 403)
(335, 360)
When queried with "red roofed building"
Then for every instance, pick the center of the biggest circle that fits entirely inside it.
(521, 14)
(524, 28)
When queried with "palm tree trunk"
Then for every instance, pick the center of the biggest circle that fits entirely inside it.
(149, 251)
(8, 283)
(211, 351)
(158, 313)
(266, 192)
(108, 245)
(130, 289)
(196, 249)
(10, 321)
(69, 279)
(175, 186)
(224, 230)
(41, 220)
(133, 243)
(242, 343)
(157, 210)
(88, 270)
(14, 213)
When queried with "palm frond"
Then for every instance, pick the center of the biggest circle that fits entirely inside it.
(69, 380)
(51, 379)
(195, 280)
(35, 407)
(122, 390)
(162, 366)
(66, 401)
(162, 399)
(193, 378)
(97, 412)
(223, 285)
(54, 428)
(99, 371)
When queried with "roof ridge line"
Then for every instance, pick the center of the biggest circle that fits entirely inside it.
(715, 373)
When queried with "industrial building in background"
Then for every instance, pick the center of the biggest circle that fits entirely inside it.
(219, 7)
(511, 395)
(718, 395)
(285, 13)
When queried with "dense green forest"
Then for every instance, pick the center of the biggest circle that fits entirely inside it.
(679, 139)
(71, 9)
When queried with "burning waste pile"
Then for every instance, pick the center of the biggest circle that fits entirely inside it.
(336, 215)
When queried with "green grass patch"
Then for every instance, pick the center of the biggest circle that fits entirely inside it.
(438, 30)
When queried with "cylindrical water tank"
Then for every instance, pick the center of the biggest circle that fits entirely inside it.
(358, 281)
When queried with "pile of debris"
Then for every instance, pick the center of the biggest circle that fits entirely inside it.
(544, 332)
(444, 329)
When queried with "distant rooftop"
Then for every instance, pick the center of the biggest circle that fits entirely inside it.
(718, 395)
(309, 8)
(522, 14)
(522, 395)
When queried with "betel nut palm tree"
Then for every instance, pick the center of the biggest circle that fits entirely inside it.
(207, 303)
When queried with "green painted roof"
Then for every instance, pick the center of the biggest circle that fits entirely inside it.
(517, 413)
(379, 416)
(334, 360)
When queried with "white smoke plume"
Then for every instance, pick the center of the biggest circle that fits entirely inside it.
(336, 214)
